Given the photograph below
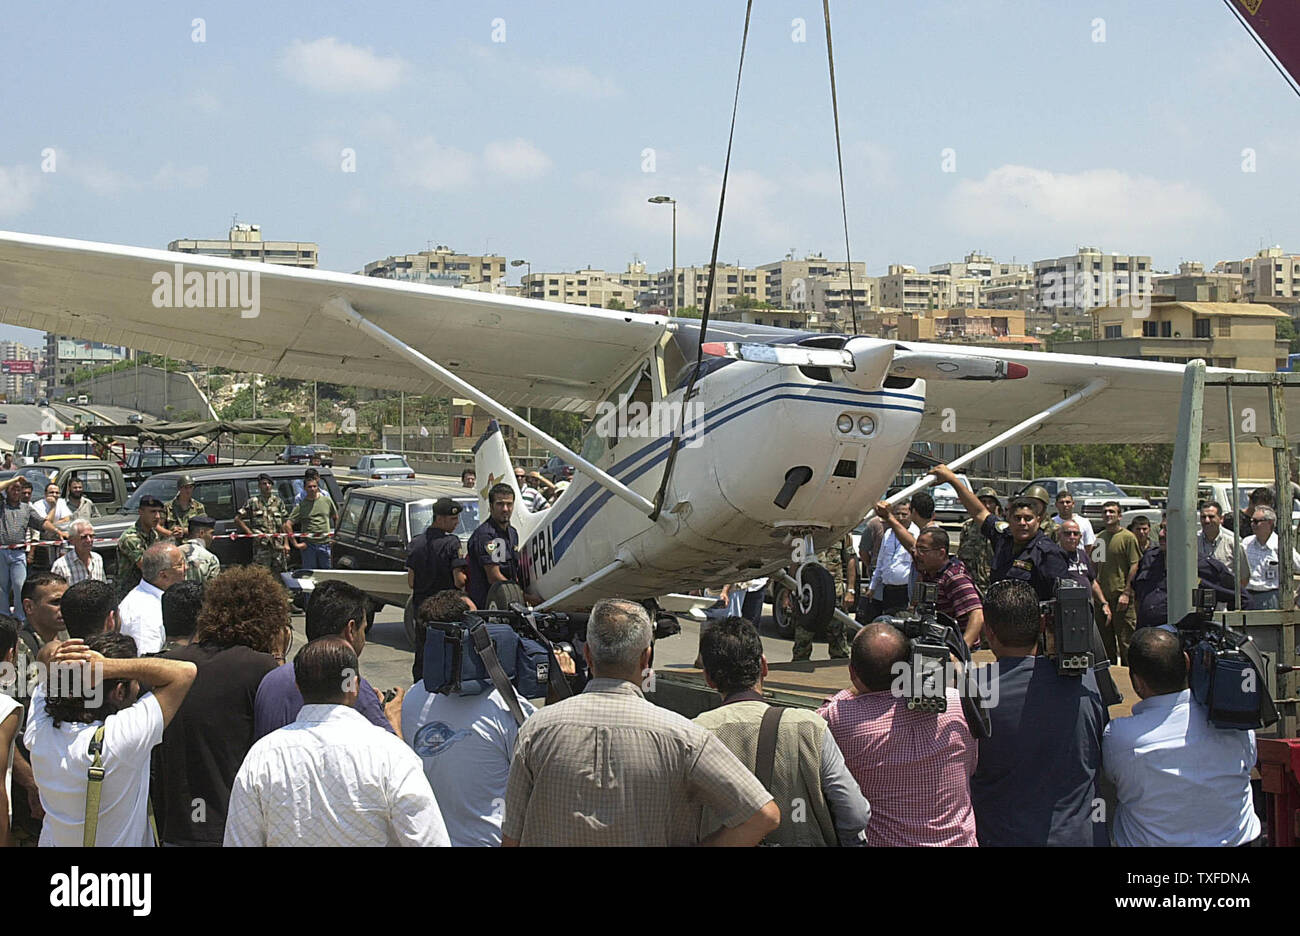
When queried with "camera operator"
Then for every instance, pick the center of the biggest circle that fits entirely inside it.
(1179, 780)
(914, 767)
(958, 597)
(1036, 780)
(805, 763)
(465, 741)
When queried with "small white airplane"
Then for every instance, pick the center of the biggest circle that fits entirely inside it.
(789, 440)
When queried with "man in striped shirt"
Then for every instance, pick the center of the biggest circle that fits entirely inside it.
(913, 767)
(958, 597)
(83, 562)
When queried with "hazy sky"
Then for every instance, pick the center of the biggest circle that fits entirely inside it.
(546, 145)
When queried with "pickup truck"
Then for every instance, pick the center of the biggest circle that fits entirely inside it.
(223, 491)
(1091, 493)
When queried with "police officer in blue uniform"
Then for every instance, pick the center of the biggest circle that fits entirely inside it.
(1022, 553)
(493, 547)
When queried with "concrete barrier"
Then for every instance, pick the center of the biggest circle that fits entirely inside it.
(163, 394)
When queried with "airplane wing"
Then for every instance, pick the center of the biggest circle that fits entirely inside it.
(1138, 404)
(524, 352)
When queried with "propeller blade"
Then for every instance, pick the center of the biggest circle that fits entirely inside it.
(928, 365)
(791, 355)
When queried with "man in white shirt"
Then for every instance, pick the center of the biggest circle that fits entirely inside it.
(1065, 511)
(893, 574)
(331, 778)
(465, 741)
(83, 562)
(63, 724)
(1179, 780)
(1262, 556)
(162, 566)
(1214, 541)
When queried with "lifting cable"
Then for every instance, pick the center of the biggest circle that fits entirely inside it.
(839, 156)
(708, 294)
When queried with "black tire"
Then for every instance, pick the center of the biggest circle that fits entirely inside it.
(502, 595)
(816, 604)
(408, 622)
(782, 611)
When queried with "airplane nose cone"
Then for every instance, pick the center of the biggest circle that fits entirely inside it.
(871, 360)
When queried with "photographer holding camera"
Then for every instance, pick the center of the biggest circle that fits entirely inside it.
(1036, 781)
(1179, 780)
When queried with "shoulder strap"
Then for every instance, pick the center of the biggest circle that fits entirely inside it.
(488, 653)
(94, 784)
(94, 787)
(765, 758)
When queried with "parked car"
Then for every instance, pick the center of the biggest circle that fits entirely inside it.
(383, 467)
(323, 452)
(4, 418)
(135, 418)
(556, 470)
(42, 402)
(947, 508)
(377, 524)
(294, 455)
(1091, 493)
(1219, 490)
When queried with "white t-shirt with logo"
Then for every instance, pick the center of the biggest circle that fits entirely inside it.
(60, 760)
(465, 742)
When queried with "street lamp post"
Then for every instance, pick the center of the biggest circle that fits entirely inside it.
(665, 200)
(524, 263)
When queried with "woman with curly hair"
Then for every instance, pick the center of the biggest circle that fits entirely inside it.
(243, 622)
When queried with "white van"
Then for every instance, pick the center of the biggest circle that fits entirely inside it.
(32, 447)
(83, 400)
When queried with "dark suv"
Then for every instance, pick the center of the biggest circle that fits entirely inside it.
(377, 524)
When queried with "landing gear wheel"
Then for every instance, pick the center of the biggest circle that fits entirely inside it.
(408, 622)
(502, 595)
(783, 610)
(815, 603)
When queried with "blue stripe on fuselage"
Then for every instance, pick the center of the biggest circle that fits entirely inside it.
(565, 537)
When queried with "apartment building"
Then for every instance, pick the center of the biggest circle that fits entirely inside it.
(1268, 276)
(244, 242)
(440, 266)
(787, 278)
(1192, 284)
(904, 288)
(992, 327)
(980, 267)
(592, 288)
(1089, 278)
(692, 283)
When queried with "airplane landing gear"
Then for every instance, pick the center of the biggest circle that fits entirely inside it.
(504, 594)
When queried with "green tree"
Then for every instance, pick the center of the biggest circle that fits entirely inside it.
(567, 427)
(1286, 332)
(749, 302)
(1132, 464)
(688, 312)
(616, 304)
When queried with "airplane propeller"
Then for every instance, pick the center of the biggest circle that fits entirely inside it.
(866, 361)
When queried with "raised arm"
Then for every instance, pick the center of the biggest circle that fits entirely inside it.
(974, 506)
(170, 679)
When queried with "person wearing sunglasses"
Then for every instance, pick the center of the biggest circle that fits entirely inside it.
(1069, 536)
(1263, 559)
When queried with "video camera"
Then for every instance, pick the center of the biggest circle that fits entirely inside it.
(459, 658)
(1227, 675)
(1067, 630)
(932, 639)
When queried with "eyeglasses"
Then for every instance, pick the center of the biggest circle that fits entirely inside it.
(1071, 533)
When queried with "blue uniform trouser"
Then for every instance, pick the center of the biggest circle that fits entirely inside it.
(13, 573)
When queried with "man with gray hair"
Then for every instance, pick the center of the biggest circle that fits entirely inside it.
(161, 567)
(1263, 559)
(607, 767)
(83, 562)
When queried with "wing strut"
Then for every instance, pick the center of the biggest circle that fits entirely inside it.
(590, 580)
(341, 309)
(1015, 432)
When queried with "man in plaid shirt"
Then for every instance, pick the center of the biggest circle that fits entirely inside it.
(913, 767)
(958, 597)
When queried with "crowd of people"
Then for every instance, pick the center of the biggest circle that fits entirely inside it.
(173, 711)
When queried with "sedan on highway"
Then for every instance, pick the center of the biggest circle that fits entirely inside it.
(135, 418)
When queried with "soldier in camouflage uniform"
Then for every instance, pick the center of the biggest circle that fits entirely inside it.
(834, 559)
(132, 544)
(265, 513)
(181, 509)
(200, 564)
(974, 549)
